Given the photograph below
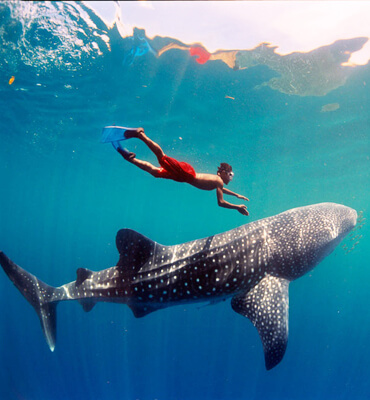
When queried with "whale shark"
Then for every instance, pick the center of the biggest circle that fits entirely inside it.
(252, 264)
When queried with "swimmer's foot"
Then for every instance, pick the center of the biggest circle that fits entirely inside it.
(117, 145)
(127, 155)
(130, 133)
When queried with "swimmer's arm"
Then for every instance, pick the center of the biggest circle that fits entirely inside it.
(239, 196)
(223, 203)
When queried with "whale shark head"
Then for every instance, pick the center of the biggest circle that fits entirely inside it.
(308, 235)
(327, 227)
(339, 221)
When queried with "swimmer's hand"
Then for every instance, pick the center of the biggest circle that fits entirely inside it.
(243, 210)
(239, 196)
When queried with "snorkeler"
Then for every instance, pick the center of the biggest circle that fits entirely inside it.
(181, 171)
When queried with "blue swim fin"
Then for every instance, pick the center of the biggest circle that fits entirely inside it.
(114, 133)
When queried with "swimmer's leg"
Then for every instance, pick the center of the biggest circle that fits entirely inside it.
(127, 155)
(153, 146)
(144, 165)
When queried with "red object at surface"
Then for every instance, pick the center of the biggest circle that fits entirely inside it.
(202, 55)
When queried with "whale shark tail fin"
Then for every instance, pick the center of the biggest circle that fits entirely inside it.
(37, 293)
(267, 307)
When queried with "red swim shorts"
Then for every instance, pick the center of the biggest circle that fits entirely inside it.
(177, 170)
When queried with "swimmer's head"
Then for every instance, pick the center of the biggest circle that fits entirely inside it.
(225, 171)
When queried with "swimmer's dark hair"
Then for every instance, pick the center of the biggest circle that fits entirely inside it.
(224, 167)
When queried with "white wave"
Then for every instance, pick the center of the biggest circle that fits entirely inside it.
(51, 34)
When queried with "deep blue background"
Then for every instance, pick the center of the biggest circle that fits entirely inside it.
(64, 196)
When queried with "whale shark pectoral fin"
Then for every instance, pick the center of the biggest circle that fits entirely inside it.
(134, 249)
(267, 306)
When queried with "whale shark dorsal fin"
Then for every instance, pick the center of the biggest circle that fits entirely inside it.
(134, 248)
(267, 306)
(82, 275)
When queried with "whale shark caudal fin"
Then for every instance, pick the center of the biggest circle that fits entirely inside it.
(37, 293)
(267, 306)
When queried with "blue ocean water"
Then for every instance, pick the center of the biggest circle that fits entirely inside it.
(64, 195)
